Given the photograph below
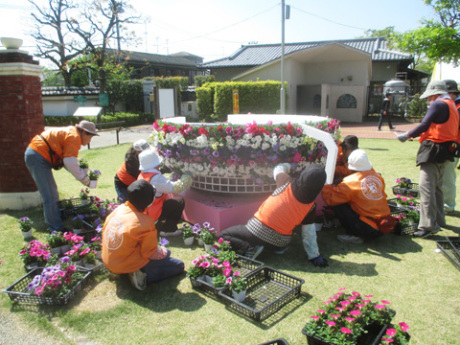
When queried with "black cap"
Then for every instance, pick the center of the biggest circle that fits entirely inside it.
(350, 142)
(451, 86)
(307, 186)
(141, 194)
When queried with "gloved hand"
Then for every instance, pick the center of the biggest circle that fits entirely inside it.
(319, 261)
(403, 137)
(281, 168)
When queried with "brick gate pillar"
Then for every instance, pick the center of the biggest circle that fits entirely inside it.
(21, 118)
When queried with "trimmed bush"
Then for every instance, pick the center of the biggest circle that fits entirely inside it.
(129, 118)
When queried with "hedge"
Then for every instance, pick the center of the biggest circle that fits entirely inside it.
(129, 118)
(261, 97)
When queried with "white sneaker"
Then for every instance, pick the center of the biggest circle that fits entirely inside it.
(176, 233)
(138, 280)
(350, 239)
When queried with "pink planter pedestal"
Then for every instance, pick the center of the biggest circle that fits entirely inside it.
(221, 211)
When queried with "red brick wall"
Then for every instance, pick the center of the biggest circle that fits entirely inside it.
(21, 118)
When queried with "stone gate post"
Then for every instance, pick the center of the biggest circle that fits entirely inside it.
(21, 118)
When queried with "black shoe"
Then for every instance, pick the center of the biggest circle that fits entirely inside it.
(378, 129)
(392, 128)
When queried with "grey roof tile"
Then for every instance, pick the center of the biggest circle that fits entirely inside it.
(255, 55)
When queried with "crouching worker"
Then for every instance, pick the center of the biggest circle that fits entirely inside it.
(130, 241)
(272, 225)
(360, 202)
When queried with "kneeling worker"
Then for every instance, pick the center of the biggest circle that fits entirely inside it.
(130, 241)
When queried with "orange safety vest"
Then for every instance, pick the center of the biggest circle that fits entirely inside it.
(442, 132)
(283, 212)
(124, 176)
(154, 210)
(65, 142)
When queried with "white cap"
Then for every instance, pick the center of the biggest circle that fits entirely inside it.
(148, 160)
(141, 145)
(358, 161)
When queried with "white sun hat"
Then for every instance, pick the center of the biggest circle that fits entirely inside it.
(149, 159)
(358, 161)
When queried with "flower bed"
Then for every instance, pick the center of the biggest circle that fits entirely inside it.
(238, 155)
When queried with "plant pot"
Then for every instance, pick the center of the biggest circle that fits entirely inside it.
(93, 184)
(27, 234)
(239, 296)
(99, 254)
(84, 202)
(61, 250)
(200, 242)
(189, 241)
(208, 247)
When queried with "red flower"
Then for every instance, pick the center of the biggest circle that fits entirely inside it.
(203, 130)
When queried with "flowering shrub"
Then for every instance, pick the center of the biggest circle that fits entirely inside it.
(25, 224)
(396, 335)
(84, 193)
(55, 281)
(249, 151)
(345, 316)
(35, 251)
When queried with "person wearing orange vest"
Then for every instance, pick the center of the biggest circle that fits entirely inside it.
(449, 188)
(359, 201)
(167, 212)
(130, 243)
(54, 149)
(439, 132)
(273, 223)
(349, 144)
(129, 170)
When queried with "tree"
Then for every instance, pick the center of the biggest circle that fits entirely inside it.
(437, 40)
(386, 33)
(54, 40)
(100, 22)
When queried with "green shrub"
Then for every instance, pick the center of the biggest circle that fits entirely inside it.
(200, 80)
(204, 103)
(417, 107)
(126, 92)
(130, 119)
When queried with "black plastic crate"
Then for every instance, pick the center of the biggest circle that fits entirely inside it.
(372, 337)
(268, 290)
(19, 293)
(279, 341)
(411, 190)
(394, 205)
(69, 207)
(243, 265)
(450, 247)
(97, 268)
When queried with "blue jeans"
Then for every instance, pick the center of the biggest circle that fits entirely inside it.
(42, 173)
(352, 224)
(157, 270)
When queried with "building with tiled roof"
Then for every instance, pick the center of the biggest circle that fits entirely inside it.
(341, 78)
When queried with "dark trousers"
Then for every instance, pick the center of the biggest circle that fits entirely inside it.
(388, 119)
(171, 214)
(241, 239)
(352, 224)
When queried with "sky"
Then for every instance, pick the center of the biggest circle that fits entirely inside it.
(214, 29)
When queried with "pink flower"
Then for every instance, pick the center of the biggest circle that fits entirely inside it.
(355, 312)
(387, 340)
(351, 298)
(335, 316)
(321, 311)
(229, 280)
(330, 323)
(315, 317)
(342, 289)
(236, 274)
(84, 252)
(345, 303)
(327, 302)
(338, 294)
(385, 302)
(227, 272)
(220, 240)
(356, 294)
(359, 305)
(366, 301)
(350, 319)
(340, 308)
(404, 327)
(391, 332)
(379, 306)
(345, 330)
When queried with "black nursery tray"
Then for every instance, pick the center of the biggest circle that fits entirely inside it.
(268, 290)
(19, 293)
(450, 247)
(372, 337)
(243, 265)
(411, 190)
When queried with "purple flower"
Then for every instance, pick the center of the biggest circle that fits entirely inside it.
(163, 242)
(65, 259)
(168, 153)
(216, 154)
(194, 152)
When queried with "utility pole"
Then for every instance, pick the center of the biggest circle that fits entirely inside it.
(284, 15)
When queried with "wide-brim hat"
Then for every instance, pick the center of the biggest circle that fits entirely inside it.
(88, 127)
(435, 87)
(141, 145)
(358, 161)
(149, 159)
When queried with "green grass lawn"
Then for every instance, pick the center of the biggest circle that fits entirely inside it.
(422, 285)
